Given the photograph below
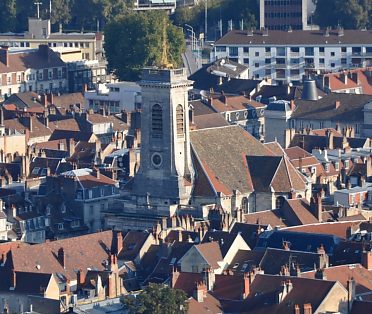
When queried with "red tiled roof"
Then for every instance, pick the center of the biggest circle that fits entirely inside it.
(81, 252)
(266, 217)
(333, 228)
(211, 252)
(89, 181)
(342, 273)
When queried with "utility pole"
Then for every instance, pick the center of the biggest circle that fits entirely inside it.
(38, 4)
(205, 20)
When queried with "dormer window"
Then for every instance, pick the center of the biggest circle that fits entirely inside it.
(326, 167)
(60, 226)
(337, 166)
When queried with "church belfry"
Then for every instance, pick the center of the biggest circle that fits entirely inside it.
(166, 175)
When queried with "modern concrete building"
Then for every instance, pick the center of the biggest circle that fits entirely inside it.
(286, 56)
(114, 97)
(39, 32)
(281, 15)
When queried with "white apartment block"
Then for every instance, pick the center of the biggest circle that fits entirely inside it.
(114, 97)
(38, 70)
(285, 56)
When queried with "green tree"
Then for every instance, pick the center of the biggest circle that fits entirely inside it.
(61, 11)
(349, 14)
(7, 15)
(158, 299)
(135, 40)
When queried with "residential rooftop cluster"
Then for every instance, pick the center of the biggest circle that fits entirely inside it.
(247, 183)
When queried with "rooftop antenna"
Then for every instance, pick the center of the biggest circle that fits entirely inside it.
(38, 4)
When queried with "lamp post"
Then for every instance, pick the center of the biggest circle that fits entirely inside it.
(193, 39)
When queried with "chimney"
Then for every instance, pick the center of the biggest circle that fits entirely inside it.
(80, 277)
(209, 278)
(61, 145)
(191, 115)
(337, 104)
(327, 82)
(50, 98)
(247, 280)
(61, 257)
(119, 241)
(70, 146)
(293, 105)
(367, 259)
(200, 292)
(98, 173)
(175, 275)
(308, 308)
(44, 100)
(350, 292)
(343, 77)
(297, 309)
(4, 55)
(223, 98)
(13, 280)
(286, 245)
(319, 274)
(329, 135)
(85, 88)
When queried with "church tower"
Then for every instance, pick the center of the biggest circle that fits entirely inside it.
(166, 175)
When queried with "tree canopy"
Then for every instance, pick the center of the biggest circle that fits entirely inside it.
(135, 40)
(158, 299)
(349, 14)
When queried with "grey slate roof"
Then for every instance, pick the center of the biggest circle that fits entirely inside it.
(296, 37)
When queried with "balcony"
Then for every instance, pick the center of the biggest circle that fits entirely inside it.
(297, 65)
(280, 66)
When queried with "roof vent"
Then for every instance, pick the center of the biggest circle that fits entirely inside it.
(289, 30)
(326, 33)
(250, 32)
(309, 91)
(340, 31)
(265, 32)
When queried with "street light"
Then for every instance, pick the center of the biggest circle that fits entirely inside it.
(193, 38)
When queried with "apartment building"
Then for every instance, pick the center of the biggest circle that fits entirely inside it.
(39, 32)
(279, 14)
(38, 70)
(285, 56)
(114, 97)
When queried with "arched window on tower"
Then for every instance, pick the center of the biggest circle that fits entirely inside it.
(180, 121)
(157, 121)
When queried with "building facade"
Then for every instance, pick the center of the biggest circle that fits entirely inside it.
(114, 97)
(278, 14)
(39, 33)
(285, 56)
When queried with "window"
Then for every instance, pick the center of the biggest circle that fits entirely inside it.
(60, 226)
(75, 223)
(333, 65)
(233, 51)
(326, 167)
(91, 210)
(332, 53)
(343, 61)
(346, 164)
(309, 51)
(157, 121)
(257, 54)
(221, 49)
(279, 201)
(321, 61)
(321, 49)
(337, 166)
(246, 61)
(39, 75)
(246, 49)
(256, 65)
(180, 121)
(343, 49)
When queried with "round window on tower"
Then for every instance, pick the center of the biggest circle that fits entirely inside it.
(156, 160)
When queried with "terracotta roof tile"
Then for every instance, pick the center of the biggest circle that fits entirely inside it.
(211, 252)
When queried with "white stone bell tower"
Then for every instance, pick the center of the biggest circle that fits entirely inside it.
(166, 174)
